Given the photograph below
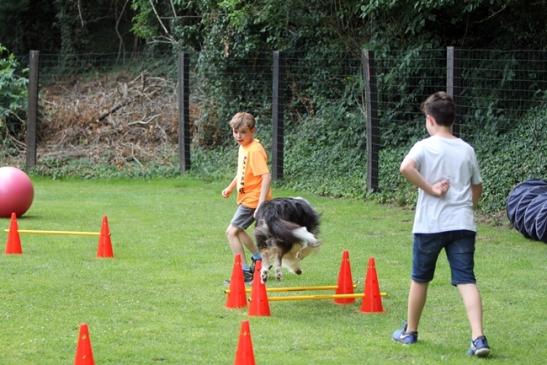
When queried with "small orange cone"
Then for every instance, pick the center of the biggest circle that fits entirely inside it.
(259, 305)
(13, 244)
(244, 353)
(345, 280)
(104, 249)
(372, 301)
(84, 353)
(237, 298)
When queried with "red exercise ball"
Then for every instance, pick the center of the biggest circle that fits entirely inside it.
(16, 192)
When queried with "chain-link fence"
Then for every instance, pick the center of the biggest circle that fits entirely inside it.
(105, 109)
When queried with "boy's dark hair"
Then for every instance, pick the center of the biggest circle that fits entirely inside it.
(440, 106)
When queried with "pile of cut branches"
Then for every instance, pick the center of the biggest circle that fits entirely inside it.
(114, 119)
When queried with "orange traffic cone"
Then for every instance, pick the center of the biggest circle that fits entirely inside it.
(258, 306)
(104, 249)
(13, 244)
(244, 353)
(237, 298)
(372, 301)
(84, 353)
(345, 280)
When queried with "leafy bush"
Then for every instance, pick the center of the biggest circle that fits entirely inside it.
(325, 153)
(511, 158)
(13, 98)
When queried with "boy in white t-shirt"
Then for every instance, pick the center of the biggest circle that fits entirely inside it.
(445, 170)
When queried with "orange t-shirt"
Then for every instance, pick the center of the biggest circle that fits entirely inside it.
(252, 163)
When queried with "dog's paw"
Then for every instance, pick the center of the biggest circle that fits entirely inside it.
(264, 276)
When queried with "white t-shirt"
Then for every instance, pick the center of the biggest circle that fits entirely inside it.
(439, 158)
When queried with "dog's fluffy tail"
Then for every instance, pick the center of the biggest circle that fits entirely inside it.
(305, 236)
(291, 232)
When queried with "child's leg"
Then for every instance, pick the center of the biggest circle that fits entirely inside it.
(248, 242)
(425, 251)
(473, 306)
(232, 232)
(237, 238)
(460, 253)
(417, 296)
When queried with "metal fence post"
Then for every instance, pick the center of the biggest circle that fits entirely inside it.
(32, 112)
(278, 127)
(183, 89)
(373, 129)
(453, 85)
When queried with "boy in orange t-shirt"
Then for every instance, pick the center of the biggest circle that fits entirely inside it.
(253, 181)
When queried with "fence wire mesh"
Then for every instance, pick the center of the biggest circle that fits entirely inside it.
(129, 104)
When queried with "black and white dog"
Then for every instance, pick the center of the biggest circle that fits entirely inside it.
(285, 233)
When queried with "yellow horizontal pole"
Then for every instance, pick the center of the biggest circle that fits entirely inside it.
(318, 297)
(296, 288)
(60, 233)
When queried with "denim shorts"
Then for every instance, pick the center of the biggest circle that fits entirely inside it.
(243, 217)
(459, 247)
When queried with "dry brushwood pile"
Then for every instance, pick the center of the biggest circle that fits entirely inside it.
(113, 119)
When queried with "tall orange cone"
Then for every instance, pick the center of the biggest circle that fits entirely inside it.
(84, 353)
(345, 280)
(237, 298)
(259, 305)
(372, 301)
(244, 353)
(104, 248)
(13, 244)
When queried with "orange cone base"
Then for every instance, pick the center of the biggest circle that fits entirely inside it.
(345, 280)
(104, 248)
(84, 352)
(372, 301)
(237, 297)
(259, 305)
(13, 244)
(244, 353)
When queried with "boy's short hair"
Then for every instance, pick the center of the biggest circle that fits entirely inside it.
(242, 119)
(440, 106)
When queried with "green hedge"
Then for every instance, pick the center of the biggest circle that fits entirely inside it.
(325, 154)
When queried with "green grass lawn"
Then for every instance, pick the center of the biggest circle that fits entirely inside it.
(160, 299)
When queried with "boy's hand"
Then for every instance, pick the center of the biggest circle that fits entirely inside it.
(440, 188)
(226, 192)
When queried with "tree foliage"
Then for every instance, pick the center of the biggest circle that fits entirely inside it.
(66, 26)
(13, 96)
(238, 26)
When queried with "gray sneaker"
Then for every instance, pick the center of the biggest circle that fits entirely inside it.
(253, 265)
(247, 278)
(401, 335)
(479, 347)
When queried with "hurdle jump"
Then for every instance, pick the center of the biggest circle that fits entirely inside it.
(318, 297)
(295, 288)
(13, 243)
(56, 233)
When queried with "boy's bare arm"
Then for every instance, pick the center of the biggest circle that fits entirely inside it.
(228, 190)
(264, 188)
(476, 192)
(410, 172)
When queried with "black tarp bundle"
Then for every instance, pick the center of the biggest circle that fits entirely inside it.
(527, 209)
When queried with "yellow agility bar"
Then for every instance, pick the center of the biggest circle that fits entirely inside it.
(318, 297)
(296, 288)
(60, 233)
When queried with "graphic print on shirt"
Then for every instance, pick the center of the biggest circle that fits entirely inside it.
(242, 170)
